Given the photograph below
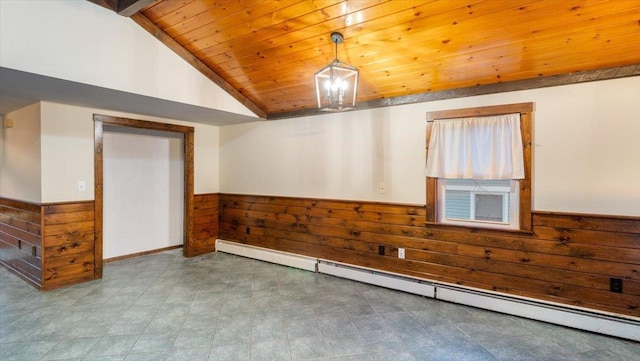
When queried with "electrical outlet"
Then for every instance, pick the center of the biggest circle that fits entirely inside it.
(400, 252)
(383, 188)
(381, 250)
(615, 285)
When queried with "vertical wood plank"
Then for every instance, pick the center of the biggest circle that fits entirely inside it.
(188, 249)
(98, 194)
(525, 184)
(431, 183)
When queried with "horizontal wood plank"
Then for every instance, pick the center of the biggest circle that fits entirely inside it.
(68, 248)
(20, 214)
(68, 228)
(54, 275)
(29, 207)
(64, 238)
(31, 238)
(55, 208)
(69, 217)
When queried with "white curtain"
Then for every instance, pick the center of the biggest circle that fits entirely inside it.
(476, 148)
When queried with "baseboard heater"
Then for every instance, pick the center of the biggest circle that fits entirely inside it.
(600, 322)
(550, 312)
(268, 255)
(374, 277)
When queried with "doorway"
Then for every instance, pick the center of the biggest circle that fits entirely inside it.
(142, 191)
(129, 126)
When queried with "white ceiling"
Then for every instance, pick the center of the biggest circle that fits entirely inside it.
(19, 89)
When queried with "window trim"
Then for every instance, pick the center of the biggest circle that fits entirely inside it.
(526, 116)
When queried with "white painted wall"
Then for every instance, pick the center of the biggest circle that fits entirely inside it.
(586, 153)
(67, 151)
(143, 190)
(82, 42)
(20, 176)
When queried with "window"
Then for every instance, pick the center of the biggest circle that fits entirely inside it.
(473, 199)
(491, 203)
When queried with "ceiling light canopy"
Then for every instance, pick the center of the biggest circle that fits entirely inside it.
(336, 83)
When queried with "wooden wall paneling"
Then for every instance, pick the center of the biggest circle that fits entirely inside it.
(546, 260)
(205, 223)
(588, 222)
(280, 212)
(566, 236)
(21, 239)
(459, 235)
(69, 243)
(567, 258)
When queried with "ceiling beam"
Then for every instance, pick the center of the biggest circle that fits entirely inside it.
(123, 7)
(109, 4)
(533, 83)
(130, 7)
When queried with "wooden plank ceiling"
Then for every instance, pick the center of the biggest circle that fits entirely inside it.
(269, 50)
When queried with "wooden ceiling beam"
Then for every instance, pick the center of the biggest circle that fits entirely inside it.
(108, 4)
(125, 8)
(130, 7)
(525, 84)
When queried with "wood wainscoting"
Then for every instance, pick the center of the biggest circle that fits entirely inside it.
(49, 245)
(69, 241)
(205, 223)
(567, 258)
(21, 239)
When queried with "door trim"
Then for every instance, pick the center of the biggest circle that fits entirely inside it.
(99, 121)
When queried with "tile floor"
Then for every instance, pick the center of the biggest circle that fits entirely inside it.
(222, 307)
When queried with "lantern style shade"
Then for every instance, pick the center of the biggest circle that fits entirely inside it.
(336, 83)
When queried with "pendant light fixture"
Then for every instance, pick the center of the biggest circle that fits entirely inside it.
(336, 83)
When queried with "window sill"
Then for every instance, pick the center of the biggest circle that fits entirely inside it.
(453, 227)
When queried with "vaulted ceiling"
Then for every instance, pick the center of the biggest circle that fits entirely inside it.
(265, 52)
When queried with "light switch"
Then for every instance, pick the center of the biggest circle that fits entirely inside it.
(82, 186)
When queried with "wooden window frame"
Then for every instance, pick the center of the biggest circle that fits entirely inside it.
(526, 116)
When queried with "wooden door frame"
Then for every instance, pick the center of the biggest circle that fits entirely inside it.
(99, 121)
